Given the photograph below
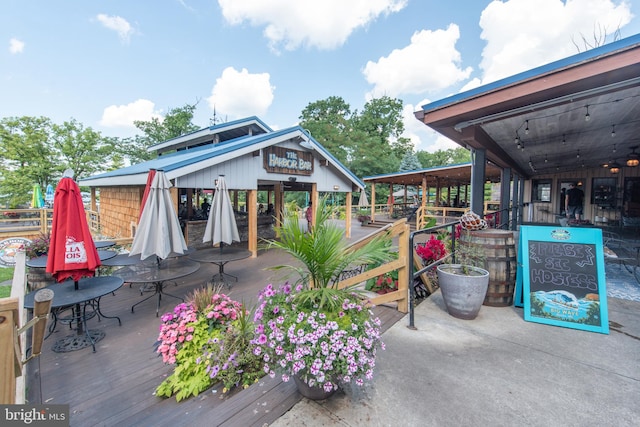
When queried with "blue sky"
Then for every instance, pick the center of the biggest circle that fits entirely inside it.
(107, 63)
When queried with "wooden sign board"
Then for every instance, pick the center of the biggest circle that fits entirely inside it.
(563, 277)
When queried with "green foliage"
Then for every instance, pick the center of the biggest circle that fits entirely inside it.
(450, 156)
(6, 273)
(208, 340)
(5, 291)
(178, 121)
(38, 246)
(323, 254)
(33, 150)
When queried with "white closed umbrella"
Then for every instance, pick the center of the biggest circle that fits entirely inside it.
(159, 231)
(221, 224)
(363, 201)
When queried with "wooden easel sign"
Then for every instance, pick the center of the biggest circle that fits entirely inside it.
(563, 277)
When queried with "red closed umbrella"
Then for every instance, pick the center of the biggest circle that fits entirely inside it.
(72, 252)
(147, 188)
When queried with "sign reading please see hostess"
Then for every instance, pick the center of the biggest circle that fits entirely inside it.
(287, 161)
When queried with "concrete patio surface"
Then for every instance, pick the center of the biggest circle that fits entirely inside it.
(496, 370)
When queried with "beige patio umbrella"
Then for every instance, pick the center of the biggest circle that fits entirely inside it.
(159, 231)
(363, 201)
(221, 224)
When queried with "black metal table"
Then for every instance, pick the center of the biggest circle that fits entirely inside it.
(86, 296)
(157, 273)
(41, 261)
(221, 257)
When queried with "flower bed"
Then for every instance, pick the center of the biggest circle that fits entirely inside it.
(207, 339)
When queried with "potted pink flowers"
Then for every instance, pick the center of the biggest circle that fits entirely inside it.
(208, 340)
(320, 335)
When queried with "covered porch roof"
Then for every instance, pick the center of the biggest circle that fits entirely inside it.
(579, 112)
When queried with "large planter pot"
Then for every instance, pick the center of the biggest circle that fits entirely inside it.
(463, 291)
(313, 393)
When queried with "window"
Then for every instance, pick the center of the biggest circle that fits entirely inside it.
(603, 192)
(541, 190)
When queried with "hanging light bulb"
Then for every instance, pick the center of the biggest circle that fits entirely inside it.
(578, 155)
(526, 129)
(587, 117)
(564, 140)
(613, 131)
(614, 168)
(517, 140)
(545, 158)
(614, 148)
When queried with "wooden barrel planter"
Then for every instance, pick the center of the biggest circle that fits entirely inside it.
(498, 249)
(38, 278)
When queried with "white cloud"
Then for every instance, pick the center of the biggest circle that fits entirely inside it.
(428, 64)
(124, 115)
(422, 137)
(117, 24)
(322, 24)
(240, 94)
(16, 46)
(524, 34)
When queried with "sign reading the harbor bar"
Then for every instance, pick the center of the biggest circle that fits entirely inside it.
(563, 277)
(287, 161)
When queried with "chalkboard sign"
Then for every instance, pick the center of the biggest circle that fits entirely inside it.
(563, 277)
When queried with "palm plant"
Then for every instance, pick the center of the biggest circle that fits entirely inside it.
(324, 254)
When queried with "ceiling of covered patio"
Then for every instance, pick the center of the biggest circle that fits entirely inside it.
(581, 112)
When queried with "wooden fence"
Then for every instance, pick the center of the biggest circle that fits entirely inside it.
(400, 229)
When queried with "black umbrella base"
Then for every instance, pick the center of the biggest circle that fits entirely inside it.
(78, 342)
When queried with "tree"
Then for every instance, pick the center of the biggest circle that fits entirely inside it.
(33, 150)
(329, 122)
(177, 122)
(450, 156)
(409, 162)
(80, 149)
(26, 157)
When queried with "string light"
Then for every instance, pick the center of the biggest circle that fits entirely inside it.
(578, 155)
(613, 131)
(526, 130)
(545, 158)
(564, 140)
(587, 117)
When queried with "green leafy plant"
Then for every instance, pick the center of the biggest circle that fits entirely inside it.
(38, 246)
(323, 255)
(312, 329)
(208, 339)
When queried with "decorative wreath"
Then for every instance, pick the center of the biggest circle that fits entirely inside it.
(472, 221)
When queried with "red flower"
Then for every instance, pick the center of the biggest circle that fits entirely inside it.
(432, 250)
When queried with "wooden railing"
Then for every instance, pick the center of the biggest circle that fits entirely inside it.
(13, 344)
(30, 223)
(400, 229)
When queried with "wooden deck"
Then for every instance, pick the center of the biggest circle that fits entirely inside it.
(115, 385)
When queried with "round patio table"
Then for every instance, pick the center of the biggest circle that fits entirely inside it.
(157, 272)
(86, 296)
(221, 257)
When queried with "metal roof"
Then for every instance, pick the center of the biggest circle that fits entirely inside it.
(546, 110)
(441, 176)
(188, 160)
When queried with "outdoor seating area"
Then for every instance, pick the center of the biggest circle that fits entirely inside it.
(116, 384)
